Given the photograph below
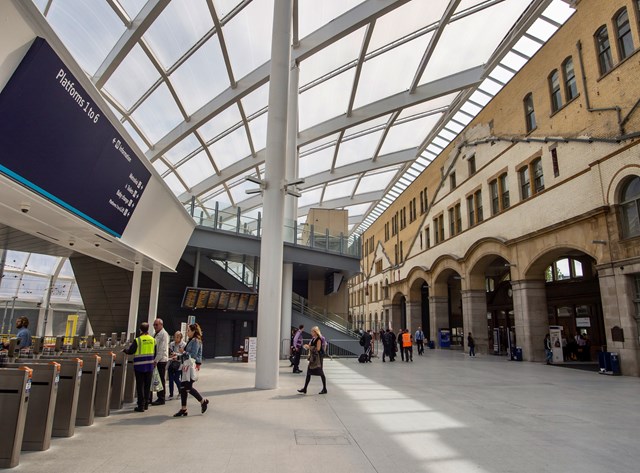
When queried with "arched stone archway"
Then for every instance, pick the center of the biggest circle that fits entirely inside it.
(445, 306)
(418, 307)
(398, 311)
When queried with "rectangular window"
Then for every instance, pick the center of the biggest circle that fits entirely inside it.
(554, 87)
(471, 209)
(504, 189)
(378, 266)
(472, 164)
(554, 161)
(427, 237)
(452, 180)
(425, 202)
(625, 41)
(401, 253)
(495, 202)
(478, 197)
(452, 223)
(386, 231)
(371, 245)
(636, 299)
(529, 113)
(538, 175)
(605, 60)
(525, 183)
(458, 216)
(441, 227)
(570, 85)
(421, 202)
(403, 218)
(394, 224)
(395, 251)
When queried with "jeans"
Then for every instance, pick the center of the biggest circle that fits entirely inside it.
(174, 378)
(420, 345)
(187, 388)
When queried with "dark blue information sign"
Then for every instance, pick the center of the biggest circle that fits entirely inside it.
(58, 143)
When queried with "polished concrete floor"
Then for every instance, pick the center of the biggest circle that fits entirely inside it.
(445, 412)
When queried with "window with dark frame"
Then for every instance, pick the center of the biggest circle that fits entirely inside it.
(525, 183)
(554, 161)
(538, 175)
(630, 208)
(554, 88)
(452, 180)
(427, 237)
(478, 198)
(623, 28)
(452, 223)
(529, 113)
(386, 231)
(570, 84)
(495, 198)
(505, 203)
(472, 164)
(471, 211)
(605, 60)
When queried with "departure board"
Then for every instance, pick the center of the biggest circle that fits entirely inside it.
(198, 298)
(58, 143)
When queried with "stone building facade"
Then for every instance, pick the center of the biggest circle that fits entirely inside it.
(529, 219)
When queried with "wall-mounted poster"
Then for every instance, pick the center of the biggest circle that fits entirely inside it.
(233, 301)
(224, 300)
(213, 299)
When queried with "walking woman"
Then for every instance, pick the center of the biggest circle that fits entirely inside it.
(174, 365)
(193, 350)
(315, 361)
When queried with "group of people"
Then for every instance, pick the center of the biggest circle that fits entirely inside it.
(155, 353)
(403, 343)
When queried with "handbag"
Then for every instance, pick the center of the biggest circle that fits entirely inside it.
(188, 368)
(156, 382)
(174, 365)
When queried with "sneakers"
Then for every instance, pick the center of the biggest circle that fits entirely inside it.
(158, 402)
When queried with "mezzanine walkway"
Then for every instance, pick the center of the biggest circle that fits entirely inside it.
(442, 413)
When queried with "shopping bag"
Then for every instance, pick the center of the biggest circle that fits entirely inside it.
(189, 372)
(156, 382)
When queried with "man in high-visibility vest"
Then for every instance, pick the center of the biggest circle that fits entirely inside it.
(407, 345)
(142, 350)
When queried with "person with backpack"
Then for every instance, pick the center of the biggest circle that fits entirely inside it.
(365, 343)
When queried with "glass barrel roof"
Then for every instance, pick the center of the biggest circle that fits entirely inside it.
(384, 86)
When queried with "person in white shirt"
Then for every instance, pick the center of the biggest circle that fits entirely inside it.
(161, 359)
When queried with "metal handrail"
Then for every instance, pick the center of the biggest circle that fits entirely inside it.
(333, 322)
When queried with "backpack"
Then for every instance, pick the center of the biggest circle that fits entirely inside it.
(362, 341)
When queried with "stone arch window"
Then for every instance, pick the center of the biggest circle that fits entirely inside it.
(570, 84)
(563, 269)
(623, 30)
(554, 90)
(605, 60)
(630, 208)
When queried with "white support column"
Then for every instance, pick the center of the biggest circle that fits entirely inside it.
(290, 208)
(135, 299)
(153, 294)
(270, 302)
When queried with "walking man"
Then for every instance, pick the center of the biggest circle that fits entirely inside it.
(420, 340)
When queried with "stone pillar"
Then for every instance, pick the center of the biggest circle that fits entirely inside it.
(531, 317)
(474, 313)
(617, 291)
(438, 315)
(414, 316)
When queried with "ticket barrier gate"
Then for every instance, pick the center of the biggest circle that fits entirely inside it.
(64, 418)
(85, 412)
(119, 380)
(130, 381)
(15, 384)
(103, 388)
(42, 402)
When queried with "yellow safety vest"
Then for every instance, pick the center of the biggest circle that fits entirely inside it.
(144, 355)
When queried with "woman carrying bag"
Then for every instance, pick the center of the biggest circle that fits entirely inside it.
(315, 361)
(175, 365)
(191, 358)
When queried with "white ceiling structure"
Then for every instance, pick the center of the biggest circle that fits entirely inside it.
(385, 86)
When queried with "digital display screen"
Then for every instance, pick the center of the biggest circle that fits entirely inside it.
(196, 298)
(58, 143)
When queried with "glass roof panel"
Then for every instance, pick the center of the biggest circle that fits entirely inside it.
(542, 29)
(376, 181)
(258, 130)
(367, 126)
(501, 74)
(527, 46)
(132, 7)
(160, 166)
(248, 37)
(9, 284)
(184, 147)
(178, 28)
(513, 61)
(311, 147)
(195, 169)
(358, 149)
(174, 184)
(41, 264)
(490, 86)
(88, 29)
(136, 137)
(310, 197)
(472, 40)
(67, 270)
(559, 11)
(356, 210)
(220, 195)
(435, 104)
(332, 57)
(409, 134)
(256, 100)
(75, 295)
(122, 88)
(230, 149)
(201, 77)
(33, 287)
(316, 162)
(238, 193)
(226, 119)
(313, 14)
(15, 260)
(326, 100)
(405, 20)
(338, 189)
(157, 115)
(397, 66)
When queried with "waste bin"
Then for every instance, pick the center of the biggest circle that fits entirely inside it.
(518, 354)
(609, 362)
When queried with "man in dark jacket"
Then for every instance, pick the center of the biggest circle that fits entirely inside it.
(389, 343)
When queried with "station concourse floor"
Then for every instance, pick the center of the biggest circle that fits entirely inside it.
(445, 412)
